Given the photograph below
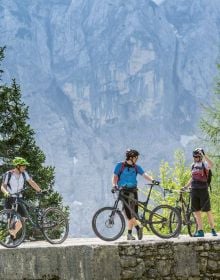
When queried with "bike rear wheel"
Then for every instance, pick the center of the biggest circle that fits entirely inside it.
(108, 223)
(9, 219)
(191, 223)
(54, 225)
(165, 221)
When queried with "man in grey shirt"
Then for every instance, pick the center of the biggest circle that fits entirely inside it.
(13, 182)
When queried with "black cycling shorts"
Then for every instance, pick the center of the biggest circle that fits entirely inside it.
(8, 205)
(130, 195)
(200, 200)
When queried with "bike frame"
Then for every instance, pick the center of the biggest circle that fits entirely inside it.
(121, 197)
(24, 205)
(185, 207)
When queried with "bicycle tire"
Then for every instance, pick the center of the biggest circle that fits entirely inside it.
(173, 217)
(109, 223)
(8, 218)
(160, 221)
(54, 225)
(191, 223)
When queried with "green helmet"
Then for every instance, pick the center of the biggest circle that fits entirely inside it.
(19, 161)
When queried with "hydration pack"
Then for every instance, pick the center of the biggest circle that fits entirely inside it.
(9, 177)
(207, 174)
(123, 165)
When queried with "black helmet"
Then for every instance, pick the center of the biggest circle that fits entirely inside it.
(197, 152)
(131, 153)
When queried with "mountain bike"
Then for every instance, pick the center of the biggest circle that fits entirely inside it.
(183, 205)
(52, 222)
(108, 223)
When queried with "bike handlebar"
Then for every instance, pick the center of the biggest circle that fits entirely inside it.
(177, 191)
(153, 184)
(118, 189)
(43, 192)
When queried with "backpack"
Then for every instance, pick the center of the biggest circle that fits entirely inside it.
(123, 165)
(9, 177)
(208, 176)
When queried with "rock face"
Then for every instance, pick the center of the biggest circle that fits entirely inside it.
(102, 76)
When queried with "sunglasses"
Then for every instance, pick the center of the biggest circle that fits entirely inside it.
(196, 156)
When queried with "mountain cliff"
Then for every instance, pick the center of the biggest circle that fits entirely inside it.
(102, 76)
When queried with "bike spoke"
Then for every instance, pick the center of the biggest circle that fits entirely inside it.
(165, 221)
(55, 226)
(9, 220)
(108, 224)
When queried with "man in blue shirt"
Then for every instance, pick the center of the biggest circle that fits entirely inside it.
(125, 176)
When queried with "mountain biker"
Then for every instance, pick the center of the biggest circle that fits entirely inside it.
(125, 174)
(199, 190)
(13, 182)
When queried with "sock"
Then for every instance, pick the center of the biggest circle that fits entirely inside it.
(129, 231)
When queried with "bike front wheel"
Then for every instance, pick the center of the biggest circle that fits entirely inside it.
(165, 221)
(172, 220)
(108, 223)
(10, 220)
(54, 225)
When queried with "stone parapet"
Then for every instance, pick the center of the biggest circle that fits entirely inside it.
(181, 258)
(176, 259)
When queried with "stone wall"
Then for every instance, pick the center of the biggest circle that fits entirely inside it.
(191, 259)
(64, 262)
(150, 259)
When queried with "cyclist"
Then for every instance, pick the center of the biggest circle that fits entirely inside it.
(125, 174)
(199, 190)
(13, 182)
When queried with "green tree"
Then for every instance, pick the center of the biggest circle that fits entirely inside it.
(174, 176)
(210, 126)
(177, 175)
(17, 139)
(1, 58)
(210, 123)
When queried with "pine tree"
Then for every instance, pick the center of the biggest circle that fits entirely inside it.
(17, 139)
(210, 126)
(1, 58)
(210, 123)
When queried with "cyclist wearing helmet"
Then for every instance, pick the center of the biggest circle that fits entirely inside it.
(199, 190)
(125, 175)
(13, 182)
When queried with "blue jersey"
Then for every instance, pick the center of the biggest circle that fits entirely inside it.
(128, 177)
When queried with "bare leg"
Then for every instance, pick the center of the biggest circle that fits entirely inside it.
(130, 224)
(135, 222)
(210, 219)
(18, 226)
(199, 219)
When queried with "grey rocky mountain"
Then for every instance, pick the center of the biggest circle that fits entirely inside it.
(102, 76)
